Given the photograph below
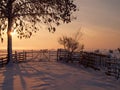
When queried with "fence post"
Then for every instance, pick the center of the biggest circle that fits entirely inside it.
(57, 55)
(16, 56)
(25, 55)
(2, 62)
(49, 54)
(32, 54)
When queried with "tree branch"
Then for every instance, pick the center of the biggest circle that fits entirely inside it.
(13, 1)
(24, 3)
(27, 14)
(2, 6)
(2, 17)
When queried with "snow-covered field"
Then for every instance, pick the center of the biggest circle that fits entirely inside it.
(45, 75)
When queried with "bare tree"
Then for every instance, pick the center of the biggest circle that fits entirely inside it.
(72, 44)
(23, 16)
(69, 43)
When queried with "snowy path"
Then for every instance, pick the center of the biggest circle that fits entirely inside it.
(54, 76)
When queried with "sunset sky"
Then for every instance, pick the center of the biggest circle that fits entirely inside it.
(99, 21)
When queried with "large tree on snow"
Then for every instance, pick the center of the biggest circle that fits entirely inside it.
(24, 15)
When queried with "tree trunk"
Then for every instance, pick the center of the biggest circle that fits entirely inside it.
(9, 36)
(9, 44)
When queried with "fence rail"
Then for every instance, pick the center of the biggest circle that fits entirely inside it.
(3, 61)
(111, 66)
(31, 55)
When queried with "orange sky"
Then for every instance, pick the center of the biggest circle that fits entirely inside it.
(98, 19)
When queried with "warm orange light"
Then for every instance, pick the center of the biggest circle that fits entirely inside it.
(13, 33)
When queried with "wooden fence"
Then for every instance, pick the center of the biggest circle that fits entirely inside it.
(111, 66)
(24, 56)
(3, 61)
(19, 57)
(94, 60)
(31, 55)
(35, 55)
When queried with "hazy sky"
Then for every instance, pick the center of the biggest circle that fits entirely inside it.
(98, 19)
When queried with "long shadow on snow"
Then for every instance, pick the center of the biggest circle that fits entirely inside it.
(8, 78)
(42, 79)
(9, 73)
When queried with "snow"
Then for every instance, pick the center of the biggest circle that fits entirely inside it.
(52, 75)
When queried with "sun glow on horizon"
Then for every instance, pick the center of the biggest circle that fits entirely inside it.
(13, 33)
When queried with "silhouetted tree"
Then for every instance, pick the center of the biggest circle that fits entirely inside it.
(72, 44)
(69, 43)
(23, 15)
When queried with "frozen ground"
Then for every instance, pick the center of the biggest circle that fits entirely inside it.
(54, 76)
